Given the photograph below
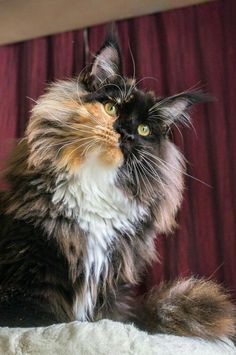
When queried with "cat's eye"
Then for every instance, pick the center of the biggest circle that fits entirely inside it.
(110, 108)
(144, 130)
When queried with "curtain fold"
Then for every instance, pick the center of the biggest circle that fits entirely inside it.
(173, 52)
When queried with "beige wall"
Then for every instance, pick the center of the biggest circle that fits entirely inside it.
(24, 19)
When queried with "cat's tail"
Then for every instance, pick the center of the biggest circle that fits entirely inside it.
(190, 307)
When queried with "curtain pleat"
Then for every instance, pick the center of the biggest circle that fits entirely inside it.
(167, 52)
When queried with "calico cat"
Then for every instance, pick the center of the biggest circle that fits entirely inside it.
(92, 182)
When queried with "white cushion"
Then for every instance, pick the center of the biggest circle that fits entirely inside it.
(103, 338)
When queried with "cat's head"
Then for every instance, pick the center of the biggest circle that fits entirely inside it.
(102, 110)
(102, 115)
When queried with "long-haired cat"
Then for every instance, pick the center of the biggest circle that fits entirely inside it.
(90, 185)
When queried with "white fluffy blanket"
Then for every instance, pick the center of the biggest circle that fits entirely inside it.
(103, 338)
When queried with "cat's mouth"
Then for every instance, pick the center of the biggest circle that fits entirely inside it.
(100, 142)
(126, 146)
(108, 143)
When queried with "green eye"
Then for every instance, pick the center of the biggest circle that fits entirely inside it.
(144, 130)
(110, 109)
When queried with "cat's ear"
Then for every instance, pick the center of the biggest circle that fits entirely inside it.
(176, 108)
(107, 62)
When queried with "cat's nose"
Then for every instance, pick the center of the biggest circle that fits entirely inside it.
(122, 131)
(117, 126)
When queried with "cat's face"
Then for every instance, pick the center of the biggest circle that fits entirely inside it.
(105, 116)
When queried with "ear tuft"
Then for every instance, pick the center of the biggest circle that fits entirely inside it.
(175, 108)
(107, 62)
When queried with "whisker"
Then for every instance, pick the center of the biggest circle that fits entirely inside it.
(141, 169)
(164, 163)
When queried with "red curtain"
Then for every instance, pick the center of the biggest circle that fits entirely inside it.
(178, 50)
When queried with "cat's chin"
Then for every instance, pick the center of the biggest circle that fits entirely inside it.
(111, 156)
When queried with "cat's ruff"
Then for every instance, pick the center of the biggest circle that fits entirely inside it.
(91, 196)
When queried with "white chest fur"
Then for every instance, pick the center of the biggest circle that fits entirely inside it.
(100, 208)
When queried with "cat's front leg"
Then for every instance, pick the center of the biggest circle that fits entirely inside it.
(190, 307)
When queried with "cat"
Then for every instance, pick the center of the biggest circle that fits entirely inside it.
(91, 183)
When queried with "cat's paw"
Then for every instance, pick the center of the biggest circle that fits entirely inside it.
(190, 307)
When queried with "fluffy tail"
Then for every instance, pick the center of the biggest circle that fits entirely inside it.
(190, 307)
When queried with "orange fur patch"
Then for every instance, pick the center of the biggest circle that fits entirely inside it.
(91, 130)
(112, 157)
(70, 158)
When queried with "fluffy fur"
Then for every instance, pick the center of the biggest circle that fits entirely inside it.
(88, 193)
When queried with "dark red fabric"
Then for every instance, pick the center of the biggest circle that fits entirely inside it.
(178, 49)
